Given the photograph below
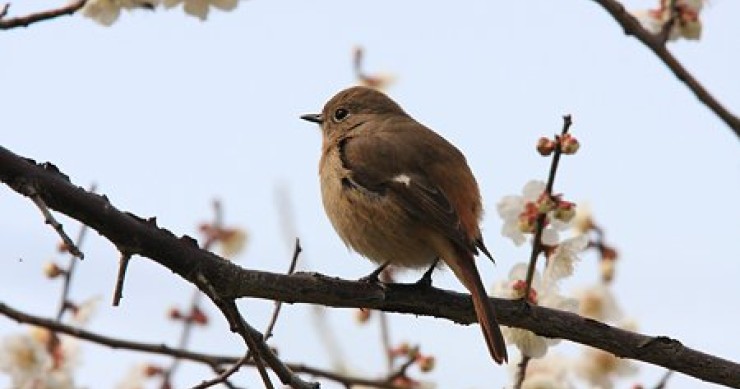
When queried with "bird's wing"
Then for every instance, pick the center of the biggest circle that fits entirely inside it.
(389, 166)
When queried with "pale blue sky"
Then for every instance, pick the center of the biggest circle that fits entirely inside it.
(166, 113)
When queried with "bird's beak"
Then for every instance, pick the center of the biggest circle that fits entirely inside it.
(313, 117)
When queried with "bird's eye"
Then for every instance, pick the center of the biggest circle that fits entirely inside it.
(340, 114)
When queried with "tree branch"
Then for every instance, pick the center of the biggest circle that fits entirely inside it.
(656, 44)
(136, 236)
(212, 360)
(184, 257)
(25, 21)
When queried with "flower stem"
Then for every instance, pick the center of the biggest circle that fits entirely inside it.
(537, 247)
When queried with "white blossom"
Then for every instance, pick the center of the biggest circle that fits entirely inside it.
(135, 378)
(84, 311)
(550, 372)
(511, 207)
(542, 293)
(201, 8)
(560, 263)
(39, 359)
(597, 302)
(24, 359)
(106, 12)
(686, 25)
(600, 368)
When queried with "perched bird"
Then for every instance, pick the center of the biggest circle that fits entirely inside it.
(400, 194)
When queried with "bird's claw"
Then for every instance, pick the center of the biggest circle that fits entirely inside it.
(374, 277)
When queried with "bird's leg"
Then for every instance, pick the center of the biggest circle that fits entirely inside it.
(426, 280)
(372, 278)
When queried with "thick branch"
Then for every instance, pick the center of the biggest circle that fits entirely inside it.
(134, 236)
(656, 44)
(182, 256)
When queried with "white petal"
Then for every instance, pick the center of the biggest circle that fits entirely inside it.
(533, 189)
(518, 272)
(577, 244)
(511, 231)
(597, 302)
(555, 301)
(105, 12)
(198, 8)
(648, 20)
(527, 342)
(561, 262)
(558, 224)
(510, 207)
(224, 5)
(550, 237)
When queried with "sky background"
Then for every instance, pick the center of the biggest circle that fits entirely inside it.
(166, 113)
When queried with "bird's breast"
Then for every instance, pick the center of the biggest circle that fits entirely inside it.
(370, 223)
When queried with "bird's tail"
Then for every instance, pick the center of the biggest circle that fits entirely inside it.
(463, 266)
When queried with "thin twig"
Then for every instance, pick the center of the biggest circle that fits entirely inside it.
(4, 10)
(268, 332)
(215, 361)
(346, 381)
(401, 371)
(521, 373)
(327, 337)
(153, 348)
(50, 220)
(224, 376)
(122, 267)
(279, 304)
(664, 380)
(187, 329)
(385, 333)
(385, 338)
(71, 265)
(633, 27)
(253, 339)
(25, 21)
(665, 31)
(540, 226)
(195, 298)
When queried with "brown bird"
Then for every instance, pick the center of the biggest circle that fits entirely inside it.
(400, 194)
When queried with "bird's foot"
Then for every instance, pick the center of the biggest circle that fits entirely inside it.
(426, 279)
(373, 278)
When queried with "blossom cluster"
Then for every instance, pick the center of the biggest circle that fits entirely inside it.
(596, 367)
(521, 214)
(682, 15)
(42, 359)
(106, 12)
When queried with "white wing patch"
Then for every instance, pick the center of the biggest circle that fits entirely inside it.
(402, 178)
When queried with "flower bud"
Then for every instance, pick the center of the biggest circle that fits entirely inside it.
(565, 211)
(545, 146)
(174, 314)
(52, 270)
(569, 144)
(426, 363)
(607, 269)
(526, 223)
(362, 315)
(546, 203)
(199, 317)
